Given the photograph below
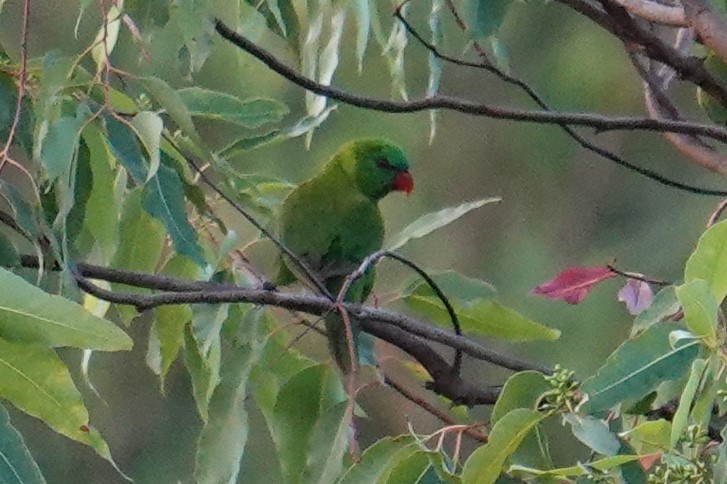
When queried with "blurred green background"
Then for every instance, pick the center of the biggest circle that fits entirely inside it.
(562, 206)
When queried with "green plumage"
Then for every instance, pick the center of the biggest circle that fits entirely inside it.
(332, 222)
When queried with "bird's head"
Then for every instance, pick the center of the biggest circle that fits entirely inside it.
(380, 167)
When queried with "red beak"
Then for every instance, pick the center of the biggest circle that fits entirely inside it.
(403, 182)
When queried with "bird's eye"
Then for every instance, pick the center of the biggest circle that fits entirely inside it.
(383, 163)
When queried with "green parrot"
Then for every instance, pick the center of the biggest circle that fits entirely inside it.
(332, 222)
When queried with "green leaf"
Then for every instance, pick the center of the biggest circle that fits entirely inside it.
(172, 103)
(163, 199)
(29, 315)
(167, 331)
(327, 446)
(141, 239)
(650, 437)
(124, 145)
(430, 222)
(374, 461)
(574, 471)
(408, 465)
(106, 37)
(700, 309)
(35, 381)
(484, 17)
(301, 402)
(521, 390)
(454, 285)
(681, 416)
(250, 113)
(9, 256)
(8, 105)
(223, 438)
(16, 463)
(637, 367)
(204, 371)
(60, 147)
(23, 213)
(362, 16)
(663, 306)
(487, 462)
(101, 216)
(709, 260)
(594, 433)
(485, 317)
(149, 128)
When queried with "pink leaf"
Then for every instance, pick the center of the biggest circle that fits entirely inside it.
(573, 284)
(637, 295)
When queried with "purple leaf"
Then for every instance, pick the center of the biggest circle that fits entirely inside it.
(637, 295)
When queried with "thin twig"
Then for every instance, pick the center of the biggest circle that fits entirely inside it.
(600, 122)
(714, 217)
(424, 404)
(638, 277)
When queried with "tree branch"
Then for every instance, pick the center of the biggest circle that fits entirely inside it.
(604, 153)
(600, 122)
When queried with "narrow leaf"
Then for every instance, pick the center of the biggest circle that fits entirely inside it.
(163, 199)
(664, 306)
(35, 381)
(16, 463)
(430, 222)
(250, 113)
(149, 127)
(681, 416)
(637, 367)
(484, 317)
(29, 315)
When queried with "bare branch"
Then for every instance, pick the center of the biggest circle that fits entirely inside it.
(655, 12)
(600, 122)
(708, 24)
(604, 153)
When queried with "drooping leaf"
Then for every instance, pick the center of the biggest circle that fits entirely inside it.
(17, 465)
(29, 315)
(172, 103)
(362, 16)
(573, 284)
(430, 222)
(328, 444)
(224, 436)
(108, 34)
(149, 127)
(250, 113)
(709, 260)
(594, 433)
(487, 463)
(638, 366)
(8, 103)
(102, 214)
(141, 239)
(59, 147)
(163, 199)
(167, 331)
(35, 381)
(484, 317)
(636, 295)
(301, 402)
(700, 309)
(124, 145)
(484, 17)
